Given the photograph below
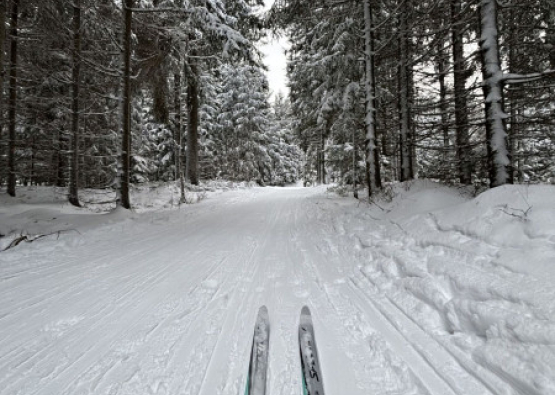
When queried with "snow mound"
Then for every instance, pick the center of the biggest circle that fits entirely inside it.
(476, 274)
(518, 220)
(419, 196)
(44, 211)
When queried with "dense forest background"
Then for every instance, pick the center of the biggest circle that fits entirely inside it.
(455, 90)
(112, 93)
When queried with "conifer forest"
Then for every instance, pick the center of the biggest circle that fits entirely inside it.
(277, 197)
(111, 94)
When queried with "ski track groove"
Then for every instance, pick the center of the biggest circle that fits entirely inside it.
(196, 319)
(462, 362)
(43, 354)
(153, 278)
(434, 377)
(134, 323)
(494, 382)
(425, 367)
(336, 299)
(253, 273)
(412, 245)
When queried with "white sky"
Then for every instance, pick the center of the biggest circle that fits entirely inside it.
(274, 53)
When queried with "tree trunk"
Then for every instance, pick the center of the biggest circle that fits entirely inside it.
(461, 115)
(550, 33)
(370, 91)
(412, 124)
(512, 93)
(126, 111)
(193, 106)
(443, 105)
(178, 135)
(74, 173)
(355, 173)
(31, 175)
(319, 161)
(323, 151)
(404, 113)
(61, 163)
(13, 97)
(493, 91)
(3, 9)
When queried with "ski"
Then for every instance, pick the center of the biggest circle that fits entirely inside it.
(258, 366)
(312, 374)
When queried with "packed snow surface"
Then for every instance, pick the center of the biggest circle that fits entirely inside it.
(426, 291)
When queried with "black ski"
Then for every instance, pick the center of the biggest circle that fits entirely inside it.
(312, 374)
(258, 366)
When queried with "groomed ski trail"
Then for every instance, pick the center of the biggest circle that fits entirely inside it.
(166, 306)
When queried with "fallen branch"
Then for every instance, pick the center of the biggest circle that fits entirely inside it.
(516, 212)
(29, 239)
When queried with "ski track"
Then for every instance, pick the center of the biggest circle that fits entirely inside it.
(169, 308)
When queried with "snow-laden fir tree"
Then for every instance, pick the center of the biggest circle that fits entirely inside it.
(245, 119)
(283, 148)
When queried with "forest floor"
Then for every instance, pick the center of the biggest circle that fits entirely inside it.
(428, 291)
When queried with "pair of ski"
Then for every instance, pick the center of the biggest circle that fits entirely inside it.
(258, 366)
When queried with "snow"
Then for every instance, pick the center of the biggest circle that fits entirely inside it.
(426, 291)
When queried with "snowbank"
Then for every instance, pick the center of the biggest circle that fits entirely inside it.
(477, 274)
(45, 210)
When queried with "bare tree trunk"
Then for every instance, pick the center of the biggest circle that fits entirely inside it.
(13, 97)
(550, 33)
(443, 105)
(31, 174)
(323, 151)
(512, 131)
(192, 130)
(3, 10)
(319, 160)
(126, 111)
(370, 91)
(178, 136)
(61, 162)
(404, 114)
(518, 149)
(412, 125)
(493, 96)
(177, 122)
(461, 115)
(74, 173)
(378, 137)
(355, 174)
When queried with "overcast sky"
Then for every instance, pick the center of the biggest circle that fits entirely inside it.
(274, 52)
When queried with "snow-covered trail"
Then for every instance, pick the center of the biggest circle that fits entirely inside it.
(165, 304)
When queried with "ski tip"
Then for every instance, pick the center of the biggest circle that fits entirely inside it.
(263, 308)
(263, 311)
(305, 310)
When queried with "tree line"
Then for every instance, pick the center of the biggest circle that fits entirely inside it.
(457, 90)
(107, 93)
